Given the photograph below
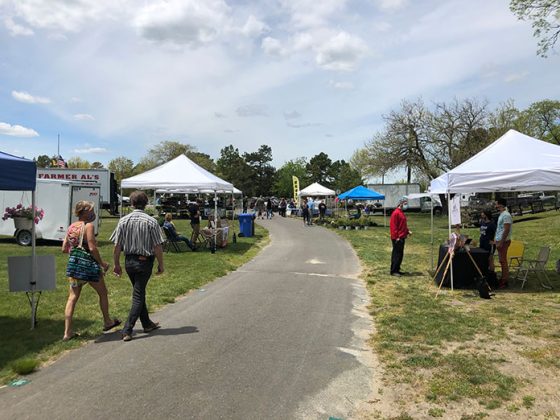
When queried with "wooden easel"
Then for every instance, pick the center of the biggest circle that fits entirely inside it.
(449, 256)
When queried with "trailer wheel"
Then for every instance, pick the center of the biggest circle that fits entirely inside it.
(437, 211)
(23, 237)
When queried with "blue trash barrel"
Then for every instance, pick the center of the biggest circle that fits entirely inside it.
(246, 224)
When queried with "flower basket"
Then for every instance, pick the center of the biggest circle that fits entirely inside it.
(23, 216)
(23, 223)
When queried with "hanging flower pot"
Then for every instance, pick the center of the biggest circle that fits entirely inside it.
(23, 223)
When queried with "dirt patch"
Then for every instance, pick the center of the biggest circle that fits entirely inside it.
(537, 397)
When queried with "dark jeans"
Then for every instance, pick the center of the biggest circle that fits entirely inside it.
(139, 270)
(397, 255)
(179, 238)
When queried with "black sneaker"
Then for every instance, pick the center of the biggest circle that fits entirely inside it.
(396, 274)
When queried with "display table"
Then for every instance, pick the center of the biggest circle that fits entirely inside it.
(464, 271)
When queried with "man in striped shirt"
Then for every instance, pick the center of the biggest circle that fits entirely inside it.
(139, 236)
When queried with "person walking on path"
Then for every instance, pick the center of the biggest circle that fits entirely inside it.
(305, 213)
(399, 232)
(138, 235)
(503, 239)
(269, 213)
(82, 234)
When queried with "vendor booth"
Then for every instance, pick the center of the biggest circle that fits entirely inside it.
(316, 190)
(181, 174)
(514, 162)
(362, 193)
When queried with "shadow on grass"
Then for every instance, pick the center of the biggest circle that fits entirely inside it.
(138, 334)
(18, 340)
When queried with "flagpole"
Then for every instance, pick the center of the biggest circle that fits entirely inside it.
(58, 148)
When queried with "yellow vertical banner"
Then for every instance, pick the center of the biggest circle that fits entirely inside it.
(295, 181)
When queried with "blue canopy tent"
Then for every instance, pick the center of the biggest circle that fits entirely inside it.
(17, 174)
(361, 193)
(20, 174)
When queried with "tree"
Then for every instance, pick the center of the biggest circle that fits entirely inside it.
(203, 160)
(542, 120)
(161, 153)
(232, 167)
(78, 163)
(283, 184)
(344, 176)
(43, 161)
(122, 167)
(97, 165)
(545, 15)
(318, 169)
(261, 169)
(404, 143)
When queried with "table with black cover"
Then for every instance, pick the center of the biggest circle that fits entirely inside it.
(464, 271)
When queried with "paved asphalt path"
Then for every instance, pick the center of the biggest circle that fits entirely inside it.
(283, 337)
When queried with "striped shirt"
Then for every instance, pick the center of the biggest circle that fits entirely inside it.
(137, 233)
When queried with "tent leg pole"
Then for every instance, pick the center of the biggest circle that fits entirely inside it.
(449, 232)
(33, 263)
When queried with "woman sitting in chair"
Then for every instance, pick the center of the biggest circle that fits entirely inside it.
(173, 235)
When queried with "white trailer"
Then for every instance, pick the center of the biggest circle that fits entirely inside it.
(394, 192)
(109, 199)
(57, 199)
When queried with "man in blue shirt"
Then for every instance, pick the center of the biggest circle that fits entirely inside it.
(503, 239)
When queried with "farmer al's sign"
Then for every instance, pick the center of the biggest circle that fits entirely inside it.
(69, 176)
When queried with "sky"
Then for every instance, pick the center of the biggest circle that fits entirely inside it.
(115, 78)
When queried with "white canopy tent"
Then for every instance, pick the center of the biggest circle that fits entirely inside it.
(514, 162)
(180, 173)
(316, 190)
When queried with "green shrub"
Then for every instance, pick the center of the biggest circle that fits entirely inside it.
(25, 366)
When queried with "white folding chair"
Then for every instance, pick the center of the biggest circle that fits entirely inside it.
(537, 266)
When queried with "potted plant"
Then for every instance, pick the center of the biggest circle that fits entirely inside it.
(23, 216)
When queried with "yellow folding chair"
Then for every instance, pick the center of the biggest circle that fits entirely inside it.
(515, 254)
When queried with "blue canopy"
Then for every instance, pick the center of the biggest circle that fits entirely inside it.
(17, 174)
(361, 193)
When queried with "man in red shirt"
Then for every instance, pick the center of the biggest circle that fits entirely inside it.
(399, 232)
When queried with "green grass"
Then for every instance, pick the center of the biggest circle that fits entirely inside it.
(444, 347)
(183, 272)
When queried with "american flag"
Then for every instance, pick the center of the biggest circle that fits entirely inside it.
(60, 162)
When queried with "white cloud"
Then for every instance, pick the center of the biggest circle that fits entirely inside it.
(16, 130)
(61, 15)
(391, 5)
(254, 27)
(341, 52)
(273, 47)
(16, 29)
(291, 115)
(91, 150)
(183, 22)
(515, 77)
(28, 98)
(84, 117)
(341, 85)
(219, 115)
(252, 110)
(312, 13)
(382, 26)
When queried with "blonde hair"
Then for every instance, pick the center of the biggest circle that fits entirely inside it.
(83, 206)
(168, 217)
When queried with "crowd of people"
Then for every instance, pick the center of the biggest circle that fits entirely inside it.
(138, 236)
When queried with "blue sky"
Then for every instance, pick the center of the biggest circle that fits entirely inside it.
(114, 78)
